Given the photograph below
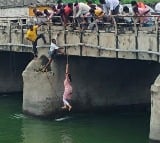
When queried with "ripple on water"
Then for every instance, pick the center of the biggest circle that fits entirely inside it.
(18, 116)
(63, 118)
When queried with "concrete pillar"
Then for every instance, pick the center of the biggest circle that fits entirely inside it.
(155, 112)
(39, 95)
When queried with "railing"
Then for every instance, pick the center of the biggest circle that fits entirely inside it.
(22, 46)
(19, 22)
(13, 25)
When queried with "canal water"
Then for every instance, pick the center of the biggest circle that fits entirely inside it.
(125, 126)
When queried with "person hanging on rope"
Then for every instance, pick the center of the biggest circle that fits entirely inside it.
(53, 51)
(67, 95)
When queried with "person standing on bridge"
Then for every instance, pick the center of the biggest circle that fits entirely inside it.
(67, 89)
(32, 36)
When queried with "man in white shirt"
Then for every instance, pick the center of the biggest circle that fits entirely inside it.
(81, 14)
(53, 51)
(157, 7)
(80, 9)
(111, 7)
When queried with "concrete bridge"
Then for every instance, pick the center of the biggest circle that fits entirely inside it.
(109, 69)
(138, 43)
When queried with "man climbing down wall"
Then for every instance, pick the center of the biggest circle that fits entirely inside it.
(32, 36)
(53, 51)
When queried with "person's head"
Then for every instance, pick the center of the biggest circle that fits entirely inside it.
(126, 9)
(59, 6)
(89, 2)
(54, 41)
(30, 27)
(91, 11)
(102, 1)
(54, 8)
(46, 12)
(70, 5)
(76, 4)
(135, 10)
(59, 1)
(34, 10)
(133, 3)
(93, 7)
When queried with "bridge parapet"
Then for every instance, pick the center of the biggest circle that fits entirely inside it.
(137, 44)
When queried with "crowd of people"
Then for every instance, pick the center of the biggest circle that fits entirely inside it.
(86, 14)
(90, 15)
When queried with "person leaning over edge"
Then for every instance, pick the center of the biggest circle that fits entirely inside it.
(32, 36)
(110, 7)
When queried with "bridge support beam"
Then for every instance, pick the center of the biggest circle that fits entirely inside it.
(155, 112)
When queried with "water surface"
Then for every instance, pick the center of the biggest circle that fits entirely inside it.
(110, 127)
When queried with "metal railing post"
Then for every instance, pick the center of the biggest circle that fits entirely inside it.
(116, 34)
(65, 41)
(136, 36)
(22, 32)
(9, 36)
(157, 35)
(49, 32)
(81, 41)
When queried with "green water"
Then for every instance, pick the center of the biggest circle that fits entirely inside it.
(115, 127)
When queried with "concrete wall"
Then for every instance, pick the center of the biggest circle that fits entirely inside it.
(99, 82)
(16, 3)
(112, 46)
(155, 112)
(12, 65)
(17, 12)
(125, 46)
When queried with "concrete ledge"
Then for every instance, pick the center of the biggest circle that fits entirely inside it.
(154, 141)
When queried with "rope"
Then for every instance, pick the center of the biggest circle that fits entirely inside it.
(67, 55)
(67, 59)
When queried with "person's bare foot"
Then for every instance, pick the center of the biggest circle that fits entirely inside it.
(64, 107)
(70, 107)
(44, 70)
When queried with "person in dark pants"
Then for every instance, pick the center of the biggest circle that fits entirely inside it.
(32, 36)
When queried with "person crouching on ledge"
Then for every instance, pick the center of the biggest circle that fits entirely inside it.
(53, 51)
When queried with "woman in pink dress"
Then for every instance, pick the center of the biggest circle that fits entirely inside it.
(67, 90)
